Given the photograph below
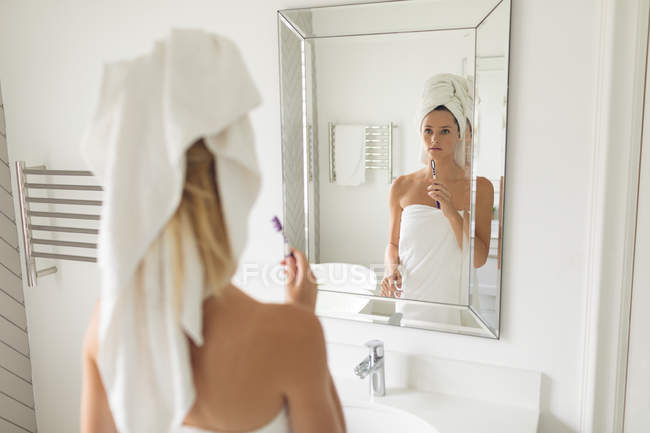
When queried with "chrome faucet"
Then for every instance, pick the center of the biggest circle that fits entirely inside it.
(373, 365)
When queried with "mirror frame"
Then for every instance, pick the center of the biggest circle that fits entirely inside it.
(294, 31)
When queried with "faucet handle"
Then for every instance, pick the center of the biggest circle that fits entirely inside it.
(376, 347)
(363, 368)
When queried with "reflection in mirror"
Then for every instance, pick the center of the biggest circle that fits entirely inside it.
(393, 145)
(428, 247)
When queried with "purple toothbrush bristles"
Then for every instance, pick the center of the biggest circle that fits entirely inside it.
(277, 225)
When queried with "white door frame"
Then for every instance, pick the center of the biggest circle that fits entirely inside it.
(615, 177)
(637, 399)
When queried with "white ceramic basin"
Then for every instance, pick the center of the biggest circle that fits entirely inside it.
(375, 418)
(345, 277)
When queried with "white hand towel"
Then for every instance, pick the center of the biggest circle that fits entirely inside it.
(349, 154)
(151, 110)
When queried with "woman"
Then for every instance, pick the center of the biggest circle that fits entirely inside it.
(429, 221)
(173, 346)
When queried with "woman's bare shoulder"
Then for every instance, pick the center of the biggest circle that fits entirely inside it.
(294, 339)
(268, 320)
(292, 321)
(484, 184)
(402, 184)
(405, 179)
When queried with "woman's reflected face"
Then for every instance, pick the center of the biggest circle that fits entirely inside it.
(439, 134)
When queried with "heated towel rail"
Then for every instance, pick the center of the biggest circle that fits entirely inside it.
(33, 232)
(378, 149)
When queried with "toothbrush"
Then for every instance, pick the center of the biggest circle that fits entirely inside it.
(277, 225)
(433, 171)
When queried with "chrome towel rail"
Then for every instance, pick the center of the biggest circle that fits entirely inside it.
(26, 215)
(378, 149)
(63, 187)
(64, 201)
(63, 229)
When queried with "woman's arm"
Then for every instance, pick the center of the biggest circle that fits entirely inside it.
(391, 256)
(483, 218)
(313, 401)
(337, 402)
(392, 276)
(96, 415)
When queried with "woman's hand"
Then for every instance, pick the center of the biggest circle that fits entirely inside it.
(438, 191)
(391, 285)
(301, 282)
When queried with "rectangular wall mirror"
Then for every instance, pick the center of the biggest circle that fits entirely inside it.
(394, 119)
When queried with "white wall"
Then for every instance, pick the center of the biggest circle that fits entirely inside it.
(50, 61)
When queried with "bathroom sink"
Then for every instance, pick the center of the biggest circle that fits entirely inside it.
(334, 278)
(375, 418)
(345, 277)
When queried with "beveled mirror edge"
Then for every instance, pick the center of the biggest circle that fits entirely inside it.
(285, 13)
(503, 188)
(283, 19)
(482, 330)
(295, 233)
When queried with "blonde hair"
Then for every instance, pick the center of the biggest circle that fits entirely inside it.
(200, 211)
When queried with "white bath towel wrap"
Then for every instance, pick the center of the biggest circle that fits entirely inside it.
(430, 255)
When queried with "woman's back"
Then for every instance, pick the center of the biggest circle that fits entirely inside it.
(262, 367)
(243, 371)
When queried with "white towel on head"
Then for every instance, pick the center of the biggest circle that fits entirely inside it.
(349, 154)
(151, 110)
(453, 92)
